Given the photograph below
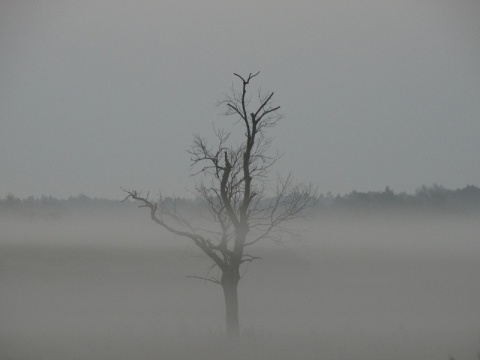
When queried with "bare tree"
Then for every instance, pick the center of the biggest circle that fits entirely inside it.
(245, 204)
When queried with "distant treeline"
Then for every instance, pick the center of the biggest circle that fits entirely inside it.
(435, 199)
(53, 208)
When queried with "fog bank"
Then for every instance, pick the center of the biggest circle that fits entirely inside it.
(342, 287)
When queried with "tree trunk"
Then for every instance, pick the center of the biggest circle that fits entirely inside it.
(229, 285)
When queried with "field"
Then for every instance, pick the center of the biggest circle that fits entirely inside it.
(344, 289)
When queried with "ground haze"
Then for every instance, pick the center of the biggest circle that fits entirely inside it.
(345, 287)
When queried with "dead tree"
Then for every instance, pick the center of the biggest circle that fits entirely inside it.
(245, 204)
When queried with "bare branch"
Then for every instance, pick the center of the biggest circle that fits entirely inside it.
(199, 240)
(250, 77)
(250, 258)
(213, 280)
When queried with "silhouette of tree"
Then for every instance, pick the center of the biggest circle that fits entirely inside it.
(234, 185)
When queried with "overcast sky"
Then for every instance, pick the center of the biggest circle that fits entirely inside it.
(99, 94)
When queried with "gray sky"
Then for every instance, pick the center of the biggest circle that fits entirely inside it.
(95, 95)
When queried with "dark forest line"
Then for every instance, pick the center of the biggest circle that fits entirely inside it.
(427, 199)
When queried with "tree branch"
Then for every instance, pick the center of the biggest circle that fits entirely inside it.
(199, 240)
(213, 280)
